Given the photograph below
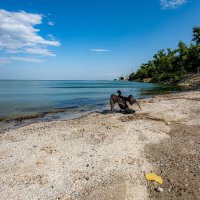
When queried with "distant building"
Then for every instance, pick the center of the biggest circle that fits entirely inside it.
(124, 78)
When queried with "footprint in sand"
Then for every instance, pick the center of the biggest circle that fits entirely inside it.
(40, 162)
(48, 150)
(30, 179)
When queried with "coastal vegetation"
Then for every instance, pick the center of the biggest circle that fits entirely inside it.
(170, 66)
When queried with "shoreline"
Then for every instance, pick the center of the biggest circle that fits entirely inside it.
(187, 82)
(101, 155)
(8, 123)
(19, 113)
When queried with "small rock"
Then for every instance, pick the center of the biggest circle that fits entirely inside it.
(130, 160)
(87, 165)
(87, 178)
(159, 189)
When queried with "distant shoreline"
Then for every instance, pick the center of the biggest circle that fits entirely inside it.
(188, 82)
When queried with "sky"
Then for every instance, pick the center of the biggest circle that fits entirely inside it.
(88, 39)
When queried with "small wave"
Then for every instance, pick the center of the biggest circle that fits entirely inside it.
(37, 115)
(87, 87)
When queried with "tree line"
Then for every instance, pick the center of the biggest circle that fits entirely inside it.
(171, 65)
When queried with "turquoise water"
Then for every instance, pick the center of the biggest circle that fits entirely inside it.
(61, 98)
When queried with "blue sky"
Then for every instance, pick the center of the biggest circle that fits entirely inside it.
(90, 39)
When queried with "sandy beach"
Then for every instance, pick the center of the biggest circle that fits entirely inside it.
(104, 156)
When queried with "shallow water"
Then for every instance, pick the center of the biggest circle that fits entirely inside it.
(61, 99)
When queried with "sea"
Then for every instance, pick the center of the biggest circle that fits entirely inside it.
(64, 99)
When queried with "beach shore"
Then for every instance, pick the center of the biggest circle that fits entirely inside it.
(106, 155)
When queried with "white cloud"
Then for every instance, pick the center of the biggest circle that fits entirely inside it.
(171, 4)
(51, 37)
(4, 61)
(26, 59)
(51, 23)
(39, 51)
(18, 34)
(100, 50)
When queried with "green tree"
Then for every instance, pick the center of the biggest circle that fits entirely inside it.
(196, 34)
(170, 65)
(181, 58)
(193, 59)
(131, 76)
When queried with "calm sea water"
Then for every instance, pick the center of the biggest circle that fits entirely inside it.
(60, 99)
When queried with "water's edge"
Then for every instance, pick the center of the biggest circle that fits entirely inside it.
(85, 101)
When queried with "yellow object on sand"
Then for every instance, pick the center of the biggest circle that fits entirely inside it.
(154, 177)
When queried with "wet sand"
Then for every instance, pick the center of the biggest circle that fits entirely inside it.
(105, 155)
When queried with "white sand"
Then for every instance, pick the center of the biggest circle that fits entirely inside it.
(100, 156)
